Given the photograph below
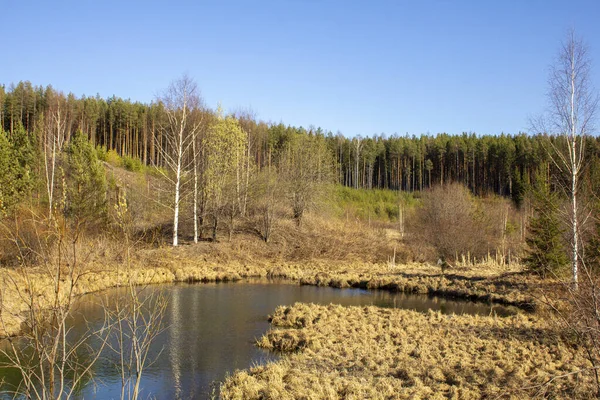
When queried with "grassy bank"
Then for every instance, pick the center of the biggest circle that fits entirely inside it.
(369, 352)
(338, 352)
(227, 261)
(327, 252)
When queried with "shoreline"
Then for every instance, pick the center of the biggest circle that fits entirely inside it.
(369, 352)
(374, 353)
(162, 266)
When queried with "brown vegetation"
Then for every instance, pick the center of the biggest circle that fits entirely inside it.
(369, 352)
(376, 356)
(313, 255)
(452, 224)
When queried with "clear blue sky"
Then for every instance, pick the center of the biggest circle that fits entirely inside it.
(360, 67)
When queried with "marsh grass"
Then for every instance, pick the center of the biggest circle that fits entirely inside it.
(369, 352)
(105, 268)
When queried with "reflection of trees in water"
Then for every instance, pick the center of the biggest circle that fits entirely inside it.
(11, 378)
(174, 348)
(211, 328)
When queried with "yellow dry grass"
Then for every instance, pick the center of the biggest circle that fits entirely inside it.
(232, 261)
(374, 353)
(340, 352)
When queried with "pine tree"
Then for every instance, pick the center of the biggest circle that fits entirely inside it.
(592, 249)
(16, 172)
(23, 154)
(546, 252)
(6, 174)
(85, 181)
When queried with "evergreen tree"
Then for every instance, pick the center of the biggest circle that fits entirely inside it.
(16, 172)
(546, 252)
(592, 249)
(7, 189)
(23, 153)
(501, 164)
(85, 182)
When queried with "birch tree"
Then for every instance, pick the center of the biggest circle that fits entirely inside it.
(55, 135)
(181, 101)
(247, 121)
(224, 147)
(197, 150)
(304, 167)
(573, 104)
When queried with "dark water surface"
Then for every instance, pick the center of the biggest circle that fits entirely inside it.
(210, 331)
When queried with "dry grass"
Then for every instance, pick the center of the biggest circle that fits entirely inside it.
(369, 352)
(103, 267)
(347, 352)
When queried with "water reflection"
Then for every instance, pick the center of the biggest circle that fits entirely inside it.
(211, 330)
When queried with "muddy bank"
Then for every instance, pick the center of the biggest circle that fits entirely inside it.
(369, 352)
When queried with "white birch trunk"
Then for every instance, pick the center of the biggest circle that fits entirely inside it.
(574, 104)
(174, 141)
(195, 190)
(57, 141)
(178, 178)
(238, 166)
(574, 173)
(176, 209)
(247, 183)
(574, 169)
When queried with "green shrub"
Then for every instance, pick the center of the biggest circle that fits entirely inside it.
(132, 164)
(101, 153)
(371, 204)
(114, 159)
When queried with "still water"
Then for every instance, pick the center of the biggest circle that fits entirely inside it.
(210, 331)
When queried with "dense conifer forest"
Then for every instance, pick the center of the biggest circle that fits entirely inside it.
(504, 164)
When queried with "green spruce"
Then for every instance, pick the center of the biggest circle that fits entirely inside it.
(546, 253)
(16, 168)
(85, 182)
(592, 249)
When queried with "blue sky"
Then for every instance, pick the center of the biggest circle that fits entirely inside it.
(360, 67)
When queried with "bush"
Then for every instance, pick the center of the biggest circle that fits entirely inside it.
(113, 158)
(101, 153)
(448, 221)
(132, 164)
(23, 238)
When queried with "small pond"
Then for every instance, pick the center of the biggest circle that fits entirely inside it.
(210, 331)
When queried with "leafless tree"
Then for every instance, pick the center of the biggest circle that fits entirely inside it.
(304, 168)
(267, 189)
(51, 360)
(54, 138)
(447, 221)
(358, 145)
(136, 317)
(197, 153)
(180, 100)
(573, 105)
(247, 121)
